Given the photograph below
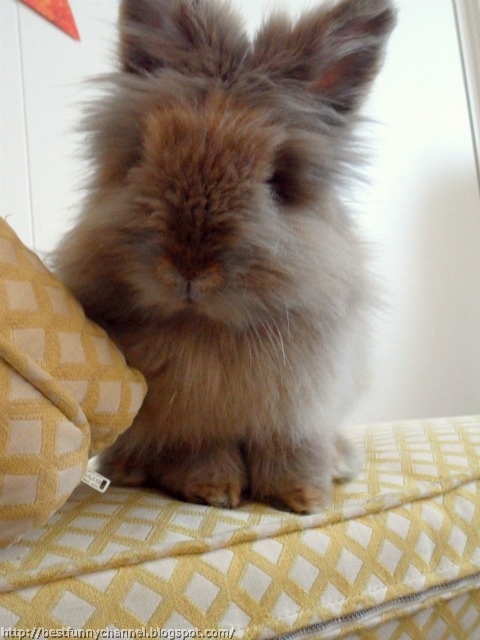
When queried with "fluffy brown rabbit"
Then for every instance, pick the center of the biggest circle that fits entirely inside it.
(215, 250)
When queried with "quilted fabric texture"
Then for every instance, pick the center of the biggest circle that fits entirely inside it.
(65, 390)
(399, 552)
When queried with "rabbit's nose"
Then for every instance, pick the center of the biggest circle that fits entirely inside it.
(192, 285)
(193, 292)
(207, 282)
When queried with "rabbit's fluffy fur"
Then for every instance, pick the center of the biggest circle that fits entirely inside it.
(216, 252)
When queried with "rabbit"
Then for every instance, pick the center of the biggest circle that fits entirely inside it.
(215, 249)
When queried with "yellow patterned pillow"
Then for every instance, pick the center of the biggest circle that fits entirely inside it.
(65, 390)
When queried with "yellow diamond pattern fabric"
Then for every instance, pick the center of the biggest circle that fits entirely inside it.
(448, 619)
(65, 390)
(398, 552)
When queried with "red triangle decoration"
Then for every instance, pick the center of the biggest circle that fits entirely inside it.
(58, 12)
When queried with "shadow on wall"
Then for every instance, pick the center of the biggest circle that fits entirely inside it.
(426, 357)
(447, 292)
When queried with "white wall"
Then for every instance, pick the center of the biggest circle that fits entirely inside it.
(40, 96)
(421, 209)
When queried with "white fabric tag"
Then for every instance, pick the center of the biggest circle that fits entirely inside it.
(96, 481)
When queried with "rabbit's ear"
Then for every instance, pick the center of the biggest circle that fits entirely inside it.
(335, 51)
(194, 37)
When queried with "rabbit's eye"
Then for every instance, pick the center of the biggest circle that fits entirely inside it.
(283, 187)
(289, 182)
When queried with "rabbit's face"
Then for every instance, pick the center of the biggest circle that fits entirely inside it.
(215, 206)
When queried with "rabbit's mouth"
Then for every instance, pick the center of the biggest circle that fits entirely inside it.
(195, 294)
(188, 288)
(198, 299)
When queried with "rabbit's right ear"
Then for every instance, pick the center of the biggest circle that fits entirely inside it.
(194, 37)
(335, 51)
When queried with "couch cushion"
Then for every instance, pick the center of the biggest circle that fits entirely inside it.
(401, 539)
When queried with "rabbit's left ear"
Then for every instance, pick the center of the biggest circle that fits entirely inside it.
(193, 37)
(335, 51)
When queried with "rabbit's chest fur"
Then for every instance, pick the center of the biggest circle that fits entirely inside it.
(208, 382)
(205, 381)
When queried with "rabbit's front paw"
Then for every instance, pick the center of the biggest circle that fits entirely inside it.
(221, 492)
(215, 476)
(303, 497)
